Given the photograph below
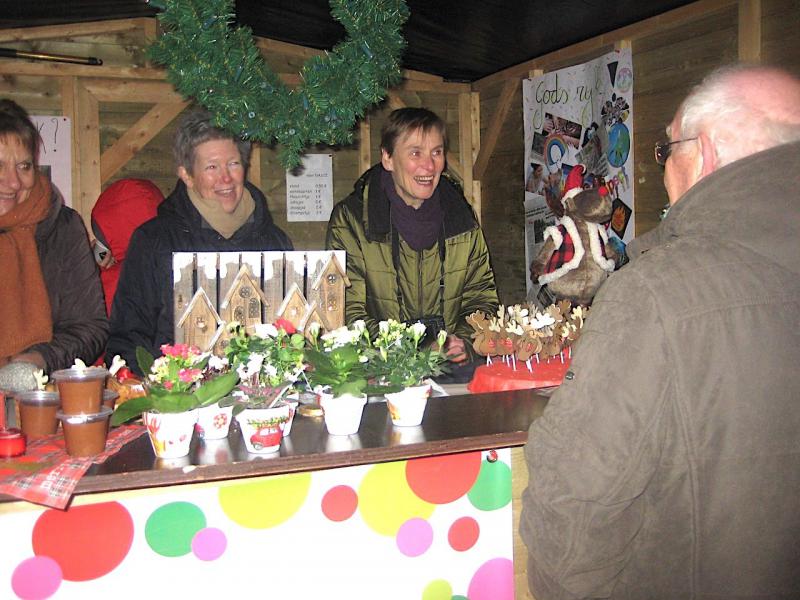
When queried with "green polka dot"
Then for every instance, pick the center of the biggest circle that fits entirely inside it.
(170, 529)
(253, 505)
(492, 489)
(459, 598)
(439, 589)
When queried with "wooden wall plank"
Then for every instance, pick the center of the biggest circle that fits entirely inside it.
(750, 30)
(133, 140)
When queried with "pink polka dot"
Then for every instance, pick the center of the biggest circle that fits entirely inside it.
(463, 534)
(414, 537)
(494, 580)
(339, 503)
(36, 578)
(209, 543)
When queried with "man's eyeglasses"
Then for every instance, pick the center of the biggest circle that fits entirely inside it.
(664, 149)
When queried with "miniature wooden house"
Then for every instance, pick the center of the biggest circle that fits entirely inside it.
(327, 292)
(199, 326)
(313, 317)
(244, 301)
(294, 306)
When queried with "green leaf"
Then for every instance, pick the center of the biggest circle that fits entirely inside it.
(216, 388)
(144, 359)
(131, 409)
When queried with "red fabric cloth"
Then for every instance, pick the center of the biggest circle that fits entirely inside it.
(120, 209)
(499, 377)
(47, 475)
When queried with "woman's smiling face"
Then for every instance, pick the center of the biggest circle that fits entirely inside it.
(17, 173)
(416, 164)
(217, 173)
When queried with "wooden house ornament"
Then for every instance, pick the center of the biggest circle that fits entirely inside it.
(294, 306)
(244, 302)
(313, 315)
(327, 290)
(200, 323)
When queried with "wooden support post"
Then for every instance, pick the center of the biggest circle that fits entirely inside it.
(493, 133)
(750, 30)
(364, 145)
(254, 170)
(466, 144)
(69, 102)
(86, 128)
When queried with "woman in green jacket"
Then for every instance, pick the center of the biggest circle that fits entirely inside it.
(415, 250)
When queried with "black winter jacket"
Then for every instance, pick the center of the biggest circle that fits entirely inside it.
(80, 326)
(142, 311)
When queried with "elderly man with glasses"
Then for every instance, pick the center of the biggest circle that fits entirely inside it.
(674, 471)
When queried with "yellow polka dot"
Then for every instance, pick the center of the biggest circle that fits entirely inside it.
(253, 505)
(438, 589)
(386, 501)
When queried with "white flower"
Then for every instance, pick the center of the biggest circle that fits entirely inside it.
(359, 326)
(217, 363)
(440, 339)
(417, 331)
(254, 362)
(383, 327)
(264, 330)
(313, 329)
(270, 370)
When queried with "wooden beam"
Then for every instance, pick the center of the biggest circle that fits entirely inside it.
(51, 32)
(466, 145)
(69, 103)
(137, 137)
(117, 90)
(86, 130)
(493, 133)
(44, 69)
(750, 30)
(364, 145)
(254, 171)
(596, 45)
(475, 120)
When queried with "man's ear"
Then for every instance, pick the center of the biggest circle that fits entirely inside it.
(709, 155)
(185, 177)
(386, 160)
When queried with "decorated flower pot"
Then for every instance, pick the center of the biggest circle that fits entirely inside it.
(170, 433)
(342, 413)
(292, 410)
(213, 421)
(262, 428)
(407, 406)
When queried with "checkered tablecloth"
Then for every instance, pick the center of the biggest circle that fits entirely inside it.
(47, 475)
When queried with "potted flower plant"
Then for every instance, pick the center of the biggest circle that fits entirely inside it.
(268, 362)
(402, 364)
(338, 369)
(177, 384)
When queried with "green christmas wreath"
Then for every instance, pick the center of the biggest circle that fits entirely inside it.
(220, 67)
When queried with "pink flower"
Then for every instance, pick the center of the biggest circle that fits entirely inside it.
(188, 375)
(168, 385)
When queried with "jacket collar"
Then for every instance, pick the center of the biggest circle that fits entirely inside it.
(459, 217)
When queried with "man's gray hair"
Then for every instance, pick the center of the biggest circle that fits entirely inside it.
(736, 125)
(196, 127)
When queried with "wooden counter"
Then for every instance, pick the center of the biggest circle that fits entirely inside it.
(451, 424)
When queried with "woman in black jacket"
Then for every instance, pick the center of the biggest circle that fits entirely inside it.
(212, 208)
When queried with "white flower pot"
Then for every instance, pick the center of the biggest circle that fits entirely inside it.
(408, 406)
(170, 433)
(292, 410)
(214, 421)
(342, 413)
(262, 428)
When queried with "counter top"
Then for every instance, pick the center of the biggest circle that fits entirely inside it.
(456, 423)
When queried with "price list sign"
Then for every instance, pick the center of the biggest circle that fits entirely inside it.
(309, 192)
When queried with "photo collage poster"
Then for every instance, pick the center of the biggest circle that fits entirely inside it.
(579, 115)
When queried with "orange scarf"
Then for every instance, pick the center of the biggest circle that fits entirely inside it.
(25, 317)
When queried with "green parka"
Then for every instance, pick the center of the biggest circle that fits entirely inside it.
(360, 225)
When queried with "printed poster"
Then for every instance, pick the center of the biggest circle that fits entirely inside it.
(578, 115)
(55, 153)
(309, 190)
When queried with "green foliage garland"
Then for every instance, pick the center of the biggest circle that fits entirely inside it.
(221, 68)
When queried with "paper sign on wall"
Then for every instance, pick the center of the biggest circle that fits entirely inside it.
(309, 192)
(55, 155)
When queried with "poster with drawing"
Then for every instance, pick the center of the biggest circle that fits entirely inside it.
(578, 115)
(55, 155)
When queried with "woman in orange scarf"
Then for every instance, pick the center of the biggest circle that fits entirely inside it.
(51, 302)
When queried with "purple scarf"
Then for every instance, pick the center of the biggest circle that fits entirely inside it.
(419, 227)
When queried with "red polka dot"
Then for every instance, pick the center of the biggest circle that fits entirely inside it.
(86, 541)
(463, 534)
(443, 479)
(339, 503)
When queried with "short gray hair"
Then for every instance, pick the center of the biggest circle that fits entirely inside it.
(736, 125)
(196, 127)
